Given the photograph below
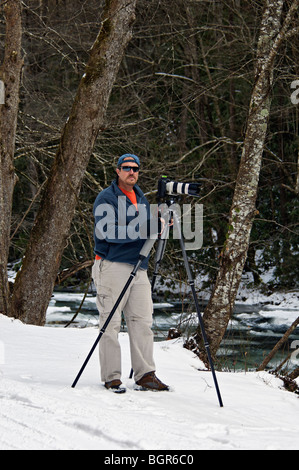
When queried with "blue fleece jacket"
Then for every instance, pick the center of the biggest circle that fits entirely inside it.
(121, 230)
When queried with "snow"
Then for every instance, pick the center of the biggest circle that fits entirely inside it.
(39, 410)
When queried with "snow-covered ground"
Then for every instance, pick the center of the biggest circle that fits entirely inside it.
(40, 410)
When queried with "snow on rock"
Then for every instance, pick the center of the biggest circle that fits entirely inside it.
(40, 410)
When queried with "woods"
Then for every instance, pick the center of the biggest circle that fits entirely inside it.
(201, 90)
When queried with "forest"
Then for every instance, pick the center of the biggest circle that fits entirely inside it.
(202, 91)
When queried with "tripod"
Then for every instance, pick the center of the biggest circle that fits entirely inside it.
(161, 246)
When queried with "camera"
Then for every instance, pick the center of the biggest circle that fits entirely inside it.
(168, 187)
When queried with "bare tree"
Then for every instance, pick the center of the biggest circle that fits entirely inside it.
(243, 209)
(35, 281)
(10, 75)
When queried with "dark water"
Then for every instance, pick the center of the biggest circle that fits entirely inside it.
(252, 333)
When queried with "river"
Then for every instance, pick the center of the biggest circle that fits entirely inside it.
(252, 333)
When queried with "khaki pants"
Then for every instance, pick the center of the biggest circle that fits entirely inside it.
(110, 278)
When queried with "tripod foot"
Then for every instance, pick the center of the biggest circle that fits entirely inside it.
(115, 386)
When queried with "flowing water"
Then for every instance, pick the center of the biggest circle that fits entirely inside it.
(252, 333)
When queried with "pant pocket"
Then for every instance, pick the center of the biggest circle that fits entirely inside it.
(95, 271)
(105, 301)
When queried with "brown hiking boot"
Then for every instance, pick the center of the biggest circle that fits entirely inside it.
(150, 382)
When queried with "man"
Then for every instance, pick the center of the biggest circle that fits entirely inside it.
(122, 223)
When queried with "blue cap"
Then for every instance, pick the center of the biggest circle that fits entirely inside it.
(125, 157)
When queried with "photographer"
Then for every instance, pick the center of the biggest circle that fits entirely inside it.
(117, 246)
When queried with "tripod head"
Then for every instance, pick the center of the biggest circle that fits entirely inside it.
(166, 187)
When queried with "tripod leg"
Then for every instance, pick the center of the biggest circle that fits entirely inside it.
(161, 246)
(206, 343)
(142, 255)
(132, 275)
(191, 283)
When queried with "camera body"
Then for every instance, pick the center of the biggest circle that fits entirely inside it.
(173, 188)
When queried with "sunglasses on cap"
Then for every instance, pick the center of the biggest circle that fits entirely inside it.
(129, 168)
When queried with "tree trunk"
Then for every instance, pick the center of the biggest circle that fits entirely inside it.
(34, 283)
(243, 210)
(10, 76)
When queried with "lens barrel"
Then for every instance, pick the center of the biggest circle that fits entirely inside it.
(191, 189)
(168, 187)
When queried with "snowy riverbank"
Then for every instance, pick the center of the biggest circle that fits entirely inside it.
(40, 410)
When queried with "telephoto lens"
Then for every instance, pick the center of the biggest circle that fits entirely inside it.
(166, 186)
(183, 188)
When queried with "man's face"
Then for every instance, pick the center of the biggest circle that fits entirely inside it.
(127, 179)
